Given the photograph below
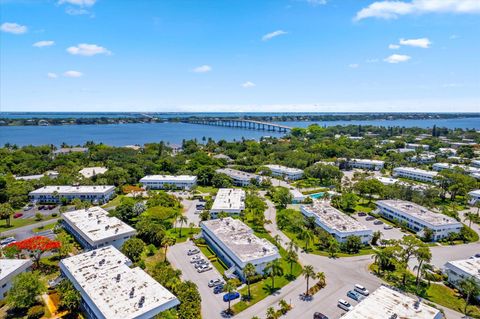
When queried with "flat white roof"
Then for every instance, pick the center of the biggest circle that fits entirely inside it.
(70, 190)
(236, 174)
(284, 169)
(71, 149)
(10, 266)
(417, 211)
(333, 218)
(92, 171)
(417, 171)
(385, 302)
(95, 224)
(169, 178)
(469, 266)
(367, 161)
(115, 288)
(475, 193)
(240, 239)
(228, 199)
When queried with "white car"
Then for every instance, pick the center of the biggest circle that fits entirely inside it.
(193, 251)
(387, 227)
(361, 290)
(345, 305)
(195, 259)
(215, 282)
(204, 268)
(7, 241)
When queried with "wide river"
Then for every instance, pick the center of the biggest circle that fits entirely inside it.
(174, 133)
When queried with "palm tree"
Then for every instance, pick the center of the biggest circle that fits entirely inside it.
(321, 279)
(183, 220)
(277, 240)
(292, 245)
(248, 272)
(229, 288)
(469, 287)
(471, 218)
(308, 272)
(291, 258)
(166, 242)
(191, 225)
(284, 306)
(423, 255)
(274, 268)
(6, 212)
(271, 313)
(308, 236)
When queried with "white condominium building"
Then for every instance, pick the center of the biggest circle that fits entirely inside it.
(88, 172)
(68, 150)
(55, 194)
(415, 174)
(110, 289)
(475, 162)
(49, 174)
(228, 200)
(390, 303)
(286, 172)
(235, 243)
(417, 218)
(366, 164)
(168, 181)
(93, 228)
(336, 223)
(459, 270)
(414, 146)
(474, 197)
(9, 269)
(239, 178)
(467, 169)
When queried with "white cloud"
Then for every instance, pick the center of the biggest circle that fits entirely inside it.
(393, 9)
(202, 69)
(371, 60)
(52, 75)
(393, 46)
(397, 58)
(248, 84)
(354, 65)
(41, 44)
(316, 2)
(80, 3)
(15, 28)
(76, 12)
(419, 43)
(273, 34)
(73, 74)
(86, 49)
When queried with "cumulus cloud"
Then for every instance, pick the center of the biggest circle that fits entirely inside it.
(80, 3)
(76, 12)
(52, 75)
(86, 49)
(397, 58)
(202, 69)
(419, 43)
(273, 34)
(72, 74)
(393, 9)
(14, 28)
(248, 84)
(393, 46)
(41, 44)
(354, 65)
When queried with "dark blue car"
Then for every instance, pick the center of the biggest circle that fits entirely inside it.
(218, 289)
(231, 296)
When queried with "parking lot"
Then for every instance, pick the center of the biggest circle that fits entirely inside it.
(394, 233)
(212, 304)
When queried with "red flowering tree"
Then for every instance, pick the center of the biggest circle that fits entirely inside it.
(36, 246)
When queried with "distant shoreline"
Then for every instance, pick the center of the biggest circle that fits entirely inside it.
(90, 118)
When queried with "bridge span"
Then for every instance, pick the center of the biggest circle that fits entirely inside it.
(241, 123)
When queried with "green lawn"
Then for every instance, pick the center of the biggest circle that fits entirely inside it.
(206, 189)
(114, 202)
(46, 227)
(15, 223)
(186, 233)
(449, 298)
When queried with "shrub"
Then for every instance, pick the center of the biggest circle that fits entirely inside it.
(35, 312)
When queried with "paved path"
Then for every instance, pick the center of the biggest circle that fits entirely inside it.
(21, 232)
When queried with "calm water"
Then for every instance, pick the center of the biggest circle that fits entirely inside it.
(174, 133)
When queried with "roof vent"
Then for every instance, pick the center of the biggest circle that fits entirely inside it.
(141, 302)
(118, 278)
(132, 292)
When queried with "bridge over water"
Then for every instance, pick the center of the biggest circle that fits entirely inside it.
(241, 123)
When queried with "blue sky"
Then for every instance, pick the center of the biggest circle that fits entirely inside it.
(282, 55)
